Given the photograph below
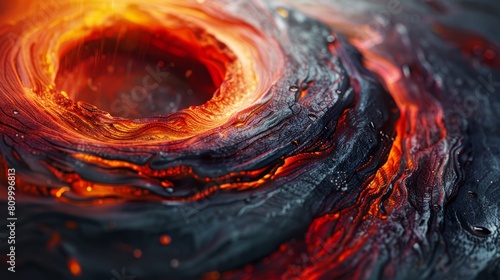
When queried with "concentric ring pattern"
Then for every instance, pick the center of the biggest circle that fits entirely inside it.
(251, 140)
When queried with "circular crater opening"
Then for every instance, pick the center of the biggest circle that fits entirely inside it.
(135, 72)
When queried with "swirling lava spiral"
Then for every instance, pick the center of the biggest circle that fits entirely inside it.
(250, 140)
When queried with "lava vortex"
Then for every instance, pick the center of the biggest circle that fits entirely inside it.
(251, 139)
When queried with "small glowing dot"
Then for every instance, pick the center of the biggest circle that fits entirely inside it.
(137, 253)
(282, 12)
(89, 188)
(165, 239)
(283, 247)
(74, 267)
(61, 191)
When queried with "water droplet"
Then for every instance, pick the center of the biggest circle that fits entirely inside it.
(169, 190)
(406, 71)
(293, 88)
(174, 263)
(282, 12)
(312, 117)
(372, 125)
(481, 231)
(330, 39)
(338, 91)
(16, 112)
(472, 194)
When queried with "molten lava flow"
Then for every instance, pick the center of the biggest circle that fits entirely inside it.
(250, 140)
